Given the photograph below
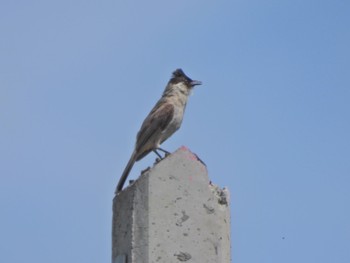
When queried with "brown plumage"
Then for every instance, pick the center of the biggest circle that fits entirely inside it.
(164, 119)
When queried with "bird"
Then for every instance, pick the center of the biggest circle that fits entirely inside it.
(164, 119)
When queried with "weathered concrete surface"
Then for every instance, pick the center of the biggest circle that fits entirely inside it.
(172, 214)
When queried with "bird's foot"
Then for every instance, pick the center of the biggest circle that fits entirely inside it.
(146, 170)
(164, 151)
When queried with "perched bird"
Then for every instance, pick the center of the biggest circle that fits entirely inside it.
(164, 119)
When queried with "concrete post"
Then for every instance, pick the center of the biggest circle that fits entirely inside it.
(172, 213)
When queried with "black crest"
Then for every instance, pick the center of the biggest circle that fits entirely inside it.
(180, 76)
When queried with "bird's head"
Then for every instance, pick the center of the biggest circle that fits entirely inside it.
(180, 77)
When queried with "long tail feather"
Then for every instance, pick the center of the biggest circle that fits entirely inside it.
(126, 172)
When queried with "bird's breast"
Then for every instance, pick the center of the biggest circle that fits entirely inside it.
(175, 123)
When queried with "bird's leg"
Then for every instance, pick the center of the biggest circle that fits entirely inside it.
(164, 151)
(157, 153)
(160, 157)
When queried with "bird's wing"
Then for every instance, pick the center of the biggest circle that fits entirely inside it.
(152, 127)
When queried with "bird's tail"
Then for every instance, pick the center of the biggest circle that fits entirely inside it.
(126, 172)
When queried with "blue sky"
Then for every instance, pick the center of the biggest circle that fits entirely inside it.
(271, 119)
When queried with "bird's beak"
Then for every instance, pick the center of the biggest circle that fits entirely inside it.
(196, 82)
